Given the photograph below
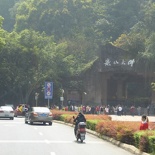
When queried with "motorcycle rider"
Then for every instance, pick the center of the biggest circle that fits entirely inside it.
(80, 118)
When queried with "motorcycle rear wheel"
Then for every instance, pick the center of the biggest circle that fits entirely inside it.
(77, 137)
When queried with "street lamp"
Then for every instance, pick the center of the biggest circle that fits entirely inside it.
(83, 97)
(62, 96)
(36, 98)
(85, 93)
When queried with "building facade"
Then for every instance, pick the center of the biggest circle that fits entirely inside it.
(115, 78)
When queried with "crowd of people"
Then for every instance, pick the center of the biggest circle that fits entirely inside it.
(107, 109)
(117, 110)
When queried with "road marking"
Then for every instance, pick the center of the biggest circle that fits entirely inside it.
(11, 122)
(94, 142)
(9, 125)
(33, 141)
(48, 141)
(40, 133)
(53, 153)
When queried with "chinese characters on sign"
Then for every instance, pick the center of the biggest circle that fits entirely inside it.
(108, 62)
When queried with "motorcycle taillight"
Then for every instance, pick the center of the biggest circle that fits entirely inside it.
(82, 130)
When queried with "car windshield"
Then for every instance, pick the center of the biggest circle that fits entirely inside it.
(6, 108)
(41, 109)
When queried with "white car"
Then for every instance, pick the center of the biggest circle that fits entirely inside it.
(6, 112)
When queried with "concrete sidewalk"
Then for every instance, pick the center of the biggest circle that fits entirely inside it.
(131, 118)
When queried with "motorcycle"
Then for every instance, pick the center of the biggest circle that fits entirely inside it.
(80, 131)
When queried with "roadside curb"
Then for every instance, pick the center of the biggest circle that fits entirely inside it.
(127, 147)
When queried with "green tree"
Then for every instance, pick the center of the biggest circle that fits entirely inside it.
(5, 11)
(2, 33)
(119, 17)
(27, 60)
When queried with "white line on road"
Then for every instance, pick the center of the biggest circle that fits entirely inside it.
(33, 141)
(53, 153)
(11, 122)
(9, 125)
(40, 133)
(47, 141)
(21, 141)
(94, 142)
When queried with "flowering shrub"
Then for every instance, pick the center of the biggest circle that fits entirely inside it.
(98, 117)
(106, 128)
(91, 124)
(67, 118)
(123, 131)
(145, 140)
(152, 126)
(57, 114)
(144, 143)
(126, 135)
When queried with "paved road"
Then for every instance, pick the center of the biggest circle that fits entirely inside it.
(17, 138)
(131, 118)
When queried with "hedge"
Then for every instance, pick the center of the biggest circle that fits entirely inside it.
(125, 132)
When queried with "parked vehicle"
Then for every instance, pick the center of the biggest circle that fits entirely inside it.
(81, 131)
(21, 109)
(38, 114)
(6, 112)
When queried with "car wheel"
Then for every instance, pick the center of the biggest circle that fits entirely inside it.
(12, 118)
(26, 122)
(50, 123)
(31, 122)
(44, 123)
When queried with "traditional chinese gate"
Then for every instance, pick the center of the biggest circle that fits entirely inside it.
(109, 78)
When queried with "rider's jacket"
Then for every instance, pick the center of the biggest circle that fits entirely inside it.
(79, 118)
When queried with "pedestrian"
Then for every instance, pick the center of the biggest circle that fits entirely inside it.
(92, 110)
(132, 110)
(101, 110)
(125, 110)
(148, 110)
(120, 109)
(87, 109)
(97, 109)
(144, 123)
(139, 110)
(107, 110)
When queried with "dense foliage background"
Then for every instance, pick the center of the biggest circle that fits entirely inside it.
(55, 39)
